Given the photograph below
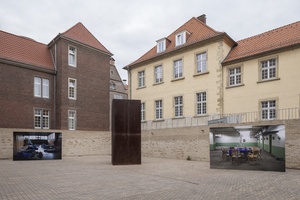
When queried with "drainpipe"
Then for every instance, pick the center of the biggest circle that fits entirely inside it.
(54, 85)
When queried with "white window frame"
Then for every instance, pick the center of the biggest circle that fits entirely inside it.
(70, 87)
(41, 118)
(235, 76)
(158, 110)
(41, 87)
(201, 107)
(141, 79)
(37, 87)
(161, 46)
(268, 110)
(72, 120)
(180, 38)
(45, 90)
(158, 73)
(178, 69)
(201, 60)
(143, 111)
(178, 106)
(72, 56)
(269, 69)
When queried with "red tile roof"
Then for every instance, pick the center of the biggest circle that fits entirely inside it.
(24, 50)
(198, 32)
(81, 34)
(276, 39)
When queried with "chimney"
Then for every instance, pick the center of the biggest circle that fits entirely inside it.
(202, 18)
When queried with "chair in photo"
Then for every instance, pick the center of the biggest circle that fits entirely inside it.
(225, 154)
(235, 156)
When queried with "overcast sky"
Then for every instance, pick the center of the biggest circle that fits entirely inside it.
(129, 28)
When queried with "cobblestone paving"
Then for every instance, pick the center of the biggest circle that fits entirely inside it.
(93, 177)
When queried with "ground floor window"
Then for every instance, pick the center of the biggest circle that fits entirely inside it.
(41, 118)
(268, 110)
(72, 119)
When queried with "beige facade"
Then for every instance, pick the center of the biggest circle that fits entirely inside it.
(283, 88)
(187, 86)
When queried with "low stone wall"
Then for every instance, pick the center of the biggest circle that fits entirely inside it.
(177, 143)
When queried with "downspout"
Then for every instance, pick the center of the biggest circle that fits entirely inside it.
(54, 85)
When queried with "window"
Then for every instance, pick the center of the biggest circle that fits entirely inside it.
(41, 118)
(158, 109)
(201, 62)
(161, 46)
(180, 38)
(235, 76)
(268, 110)
(41, 87)
(143, 112)
(268, 69)
(178, 105)
(201, 103)
(72, 119)
(72, 88)
(72, 56)
(141, 77)
(178, 68)
(158, 74)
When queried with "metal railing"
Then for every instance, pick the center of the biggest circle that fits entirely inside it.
(281, 114)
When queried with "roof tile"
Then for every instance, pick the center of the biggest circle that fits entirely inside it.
(25, 50)
(198, 32)
(272, 40)
(81, 34)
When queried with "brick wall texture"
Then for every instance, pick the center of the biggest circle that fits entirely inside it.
(177, 143)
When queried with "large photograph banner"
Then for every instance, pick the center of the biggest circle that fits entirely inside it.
(37, 146)
(248, 148)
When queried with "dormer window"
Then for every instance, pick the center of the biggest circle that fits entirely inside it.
(180, 38)
(161, 45)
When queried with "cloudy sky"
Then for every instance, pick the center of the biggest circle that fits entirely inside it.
(129, 28)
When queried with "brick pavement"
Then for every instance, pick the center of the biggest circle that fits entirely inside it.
(93, 177)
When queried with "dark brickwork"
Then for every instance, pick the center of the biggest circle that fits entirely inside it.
(92, 76)
(17, 101)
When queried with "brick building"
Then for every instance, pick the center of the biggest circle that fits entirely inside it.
(61, 85)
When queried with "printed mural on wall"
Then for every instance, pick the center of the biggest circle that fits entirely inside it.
(248, 148)
(37, 146)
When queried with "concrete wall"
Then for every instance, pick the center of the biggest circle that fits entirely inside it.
(178, 143)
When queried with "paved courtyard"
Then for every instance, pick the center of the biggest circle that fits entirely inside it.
(93, 177)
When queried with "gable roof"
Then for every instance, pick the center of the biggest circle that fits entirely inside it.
(24, 50)
(81, 34)
(273, 40)
(197, 31)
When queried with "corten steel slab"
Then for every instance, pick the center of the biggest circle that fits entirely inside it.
(126, 132)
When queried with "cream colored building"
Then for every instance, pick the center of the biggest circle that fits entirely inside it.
(197, 72)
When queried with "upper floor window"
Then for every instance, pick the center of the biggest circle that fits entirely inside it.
(143, 112)
(235, 76)
(180, 38)
(268, 110)
(41, 87)
(158, 109)
(178, 106)
(72, 88)
(72, 56)
(178, 68)
(141, 78)
(161, 45)
(41, 118)
(201, 62)
(268, 69)
(158, 74)
(201, 103)
(72, 120)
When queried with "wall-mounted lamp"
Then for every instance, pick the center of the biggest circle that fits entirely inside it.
(279, 138)
(273, 138)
